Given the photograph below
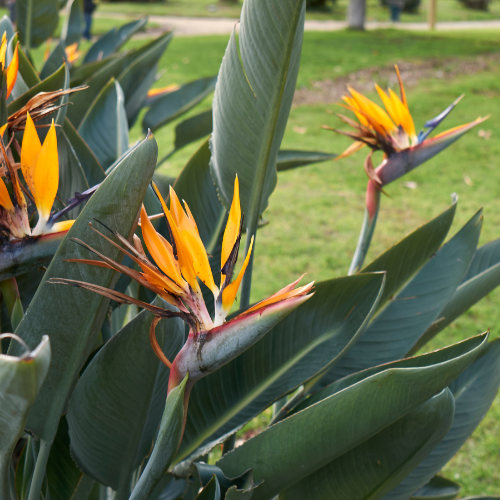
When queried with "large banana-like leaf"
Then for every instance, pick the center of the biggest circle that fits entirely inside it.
(73, 23)
(482, 277)
(438, 488)
(73, 317)
(136, 79)
(72, 178)
(104, 127)
(36, 20)
(113, 40)
(54, 61)
(292, 352)
(474, 391)
(312, 438)
(6, 27)
(192, 129)
(414, 306)
(80, 101)
(171, 106)
(372, 468)
(20, 380)
(291, 158)
(117, 405)
(252, 101)
(94, 172)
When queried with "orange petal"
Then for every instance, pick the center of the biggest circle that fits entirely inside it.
(354, 106)
(377, 117)
(3, 128)
(5, 200)
(3, 49)
(46, 178)
(283, 294)
(232, 230)
(185, 263)
(162, 255)
(189, 244)
(404, 116)
(29, 153)
(401, 87)
(60, 227)
(12, 71)
(229, 293)
(353, 148)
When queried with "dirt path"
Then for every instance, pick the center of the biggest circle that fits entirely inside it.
(331, 91)
(194, 26)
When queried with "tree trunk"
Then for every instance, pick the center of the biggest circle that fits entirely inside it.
(356, 14)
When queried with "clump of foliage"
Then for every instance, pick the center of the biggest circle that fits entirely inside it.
(129, 363)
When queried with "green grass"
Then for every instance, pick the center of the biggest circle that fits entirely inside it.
(448, 10)
(315, 212)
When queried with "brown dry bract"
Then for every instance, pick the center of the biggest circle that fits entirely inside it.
(39, 106)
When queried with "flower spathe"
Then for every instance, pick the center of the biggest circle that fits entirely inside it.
(40, 168)
(13, 67)
(392, 131)
(175, 274)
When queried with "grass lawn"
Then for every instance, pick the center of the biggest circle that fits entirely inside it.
(448, 10)
(315, 212)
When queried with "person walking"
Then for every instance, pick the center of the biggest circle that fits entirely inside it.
(88, 8)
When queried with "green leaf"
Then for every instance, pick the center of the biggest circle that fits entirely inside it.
(73, 23)
(113, 40)
(117, 405)
(81, 73)
(312, 438)
(7, 27)
(211, 491)
(54, 61)
(200, 474)
(438, 488)
(252, 101)
(291, 158)
(94, 173)
(166, 444)
(73, 317)
(104, 128)
(192, 129)
(20, 257)
(292, 352)
(27, 77)
(372, 468)
(137, 78)
(474, 391)
(412, 308)
(97, 81)
(53, 82)
(174, 104)
(482, 277)
(36, 21)
(20, 380)
(63, 476)
(72, 178)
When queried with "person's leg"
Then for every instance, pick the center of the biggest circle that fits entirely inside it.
(88, 24)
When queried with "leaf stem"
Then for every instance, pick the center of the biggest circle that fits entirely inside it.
(365, 238)
(39, 472)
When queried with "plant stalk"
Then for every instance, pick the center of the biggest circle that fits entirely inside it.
(5, 459)
(39, 472)
(365, 237)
